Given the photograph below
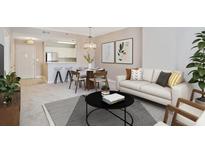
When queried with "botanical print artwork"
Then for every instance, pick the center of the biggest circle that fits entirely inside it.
(121, 51)
(108, 52)
(124, 51)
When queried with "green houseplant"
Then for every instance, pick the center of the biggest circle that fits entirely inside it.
(197, 63)
(105, 89)
(89, 60)
(9, 84)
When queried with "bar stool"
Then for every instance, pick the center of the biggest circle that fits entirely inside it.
(68, 74)
(58, 73)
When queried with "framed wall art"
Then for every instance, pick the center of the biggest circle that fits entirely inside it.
(124, 51)
(108, 52)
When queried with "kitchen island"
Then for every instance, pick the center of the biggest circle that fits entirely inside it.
(49, 71)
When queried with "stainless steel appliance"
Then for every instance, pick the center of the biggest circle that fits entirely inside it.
(51, 56)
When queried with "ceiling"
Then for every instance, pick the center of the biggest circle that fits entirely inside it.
(96, 31)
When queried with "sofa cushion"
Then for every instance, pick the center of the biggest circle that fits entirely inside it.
(155, 75)
(147, 74)
(157, 90)
(135, 85)
(163, 79)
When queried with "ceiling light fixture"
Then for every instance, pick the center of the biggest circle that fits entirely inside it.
(29, 41)
(90, 44)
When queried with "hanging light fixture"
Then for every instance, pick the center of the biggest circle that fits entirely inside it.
(90, 44)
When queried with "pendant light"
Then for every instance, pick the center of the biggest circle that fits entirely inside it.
(90, 44)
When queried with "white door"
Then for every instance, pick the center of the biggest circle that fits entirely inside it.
(25, 61)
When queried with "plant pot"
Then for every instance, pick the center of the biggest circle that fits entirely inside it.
(200, 100)
(105, 92)
(10, 112)
(89, 65)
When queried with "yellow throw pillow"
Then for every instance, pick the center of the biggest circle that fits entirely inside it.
(175, 79)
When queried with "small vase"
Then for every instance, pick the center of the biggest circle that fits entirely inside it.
(89, 66)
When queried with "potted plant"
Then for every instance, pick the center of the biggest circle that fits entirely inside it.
(89, 60)
(105, 90)
(197, 63)
(9, 84)
(10, 97)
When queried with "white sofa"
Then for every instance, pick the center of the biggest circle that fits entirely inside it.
(148, 89)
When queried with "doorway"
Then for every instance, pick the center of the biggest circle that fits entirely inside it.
(25, 61)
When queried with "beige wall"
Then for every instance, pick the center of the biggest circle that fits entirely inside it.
(119, 69)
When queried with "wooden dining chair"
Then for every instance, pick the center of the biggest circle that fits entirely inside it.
(75, 76)
(189, 108)
(99, 77)
(176, 110)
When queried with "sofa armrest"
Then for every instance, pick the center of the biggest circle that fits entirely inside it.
(182, 90)
(119, 79)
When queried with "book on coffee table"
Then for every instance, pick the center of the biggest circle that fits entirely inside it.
(113, 98)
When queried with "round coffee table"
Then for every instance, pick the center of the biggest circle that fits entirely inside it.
(95, 100)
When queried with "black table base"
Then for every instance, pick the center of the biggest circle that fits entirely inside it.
(124, 119)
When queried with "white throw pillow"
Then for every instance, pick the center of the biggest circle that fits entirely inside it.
(136, 74)
(147, 74)
(155, 75)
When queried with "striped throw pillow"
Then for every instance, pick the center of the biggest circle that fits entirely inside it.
(175, 79)
(136, 74)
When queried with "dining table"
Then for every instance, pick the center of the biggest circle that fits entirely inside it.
(89, 73)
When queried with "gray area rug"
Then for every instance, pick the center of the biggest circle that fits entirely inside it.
(71, 112)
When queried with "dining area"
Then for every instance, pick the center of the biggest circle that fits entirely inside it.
(82, 77)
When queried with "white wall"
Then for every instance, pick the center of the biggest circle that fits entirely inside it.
(1, 36)
(159, 48)
(5, 40)
(185, 37)
(168, 48)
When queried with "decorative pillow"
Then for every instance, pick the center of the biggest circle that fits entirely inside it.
(136, 74)
(128, 73)
(147, 74)
(175, 79)
(156, 74)
(163, 79)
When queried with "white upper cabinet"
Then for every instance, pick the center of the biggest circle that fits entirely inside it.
(63, 52)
